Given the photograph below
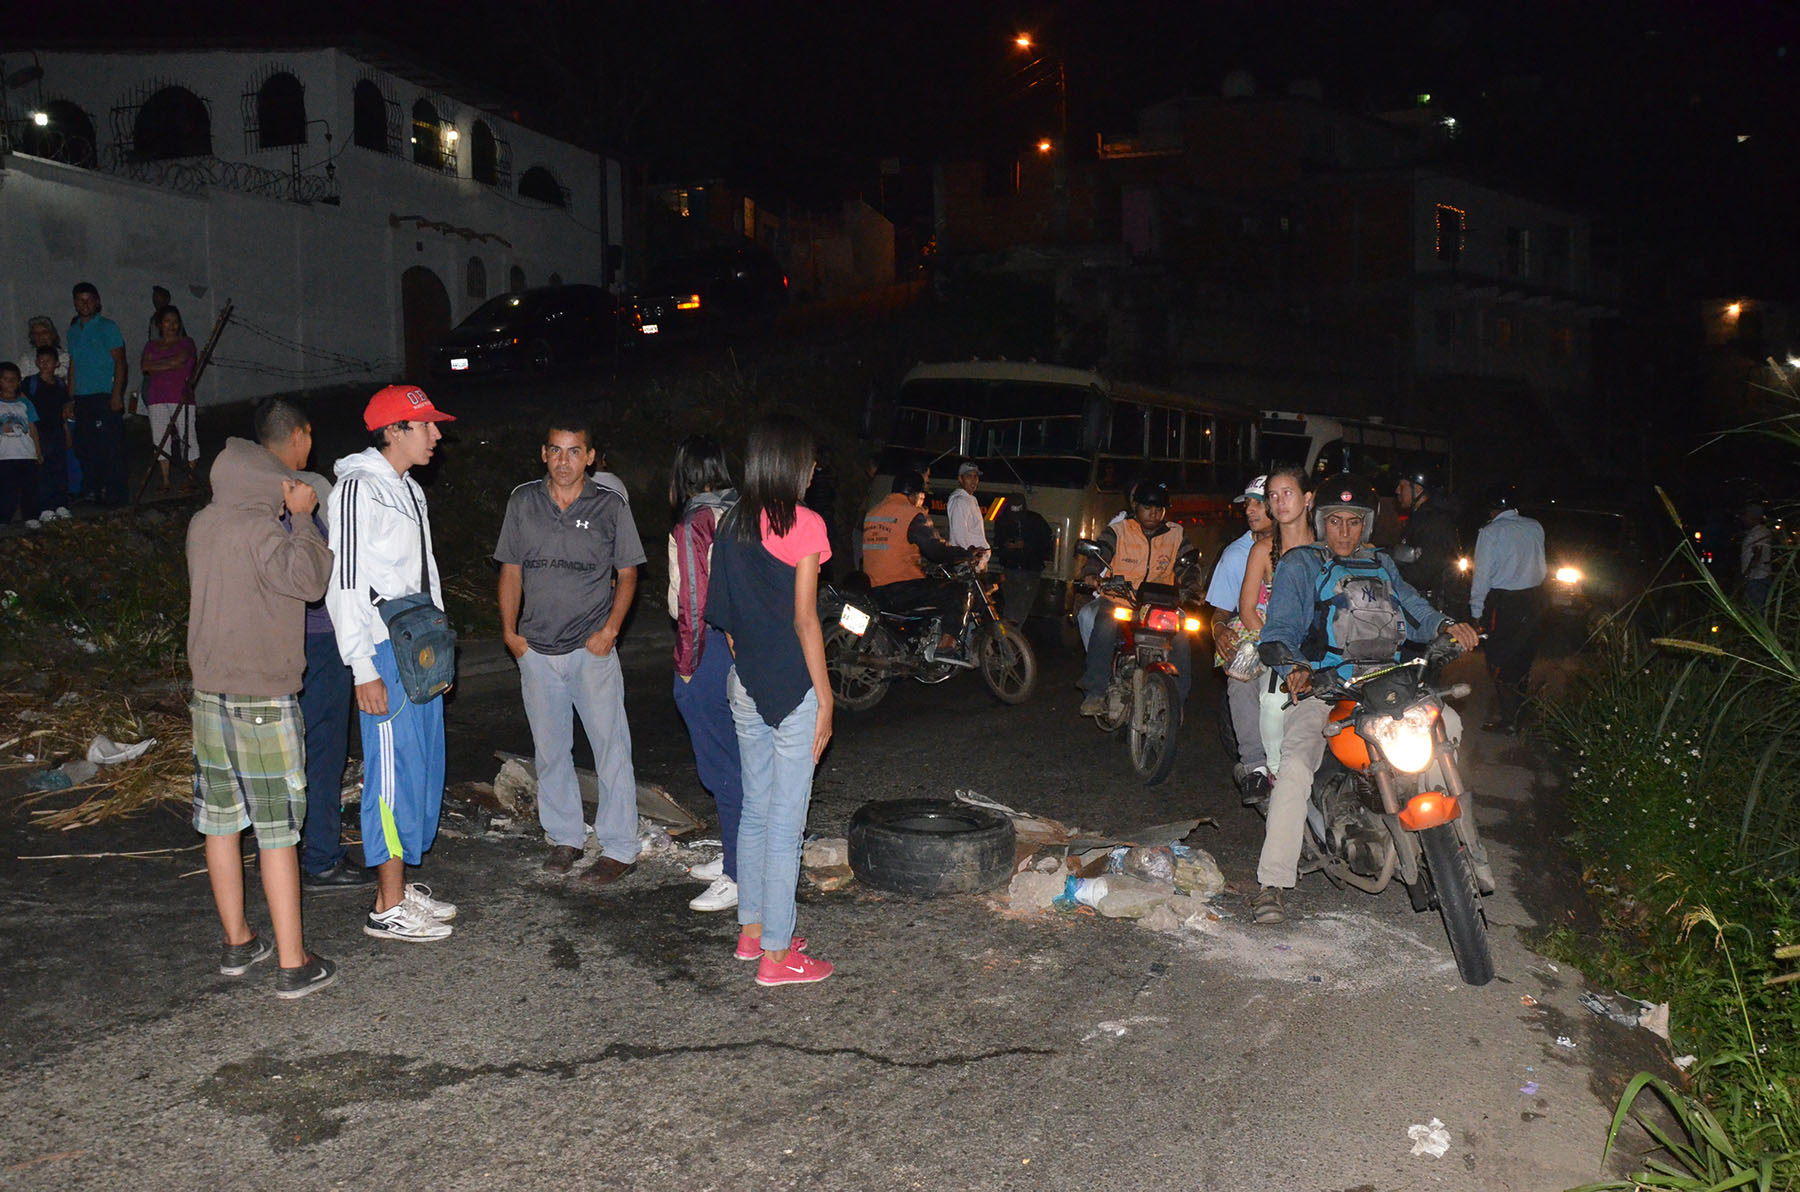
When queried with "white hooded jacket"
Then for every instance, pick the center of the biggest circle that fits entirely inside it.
(373, 518)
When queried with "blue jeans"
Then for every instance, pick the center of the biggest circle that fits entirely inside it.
(557, 687)
(325, 706)
(705, 707)
(1098, 672)
(778, 773)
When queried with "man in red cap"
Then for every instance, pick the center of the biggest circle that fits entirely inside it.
(381, 540)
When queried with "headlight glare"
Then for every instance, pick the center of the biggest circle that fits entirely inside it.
(1405, 740)
(1568, 575)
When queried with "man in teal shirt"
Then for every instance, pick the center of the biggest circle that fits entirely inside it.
(97, 377)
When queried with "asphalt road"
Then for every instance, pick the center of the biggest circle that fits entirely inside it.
(562, 1039)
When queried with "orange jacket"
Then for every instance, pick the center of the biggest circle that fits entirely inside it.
(888, 557)
(1140, 559)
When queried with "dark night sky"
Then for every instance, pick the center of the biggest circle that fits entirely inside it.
(1629, 110)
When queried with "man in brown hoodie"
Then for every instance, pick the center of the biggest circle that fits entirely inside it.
(250, 579)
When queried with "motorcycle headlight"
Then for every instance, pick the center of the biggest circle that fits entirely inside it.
(1406, 739)
(1568, 575)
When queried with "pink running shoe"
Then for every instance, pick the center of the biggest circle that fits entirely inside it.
(750, 947)
(797, 969)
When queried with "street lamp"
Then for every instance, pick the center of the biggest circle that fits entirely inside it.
(1058, 152)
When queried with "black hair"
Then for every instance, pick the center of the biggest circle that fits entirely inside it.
(378, 437)
(9, 366)
(699, 467)
(49, 351)
(570, 424)
(276, 419)
(910, 483)
(84, 287)
(169, 309)
(778, 465)
(155, 290)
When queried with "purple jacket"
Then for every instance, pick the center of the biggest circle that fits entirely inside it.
(690, 549)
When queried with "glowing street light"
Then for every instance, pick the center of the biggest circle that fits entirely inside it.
(1733, 310)
(1045, 145)
(41, 119)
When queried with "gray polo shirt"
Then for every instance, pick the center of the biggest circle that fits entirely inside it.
(568, 558)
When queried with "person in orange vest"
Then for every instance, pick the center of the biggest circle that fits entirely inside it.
(1144, 548)
(897, 540)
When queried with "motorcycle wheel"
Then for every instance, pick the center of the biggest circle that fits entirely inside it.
(1453, 877)
(1152, 737)
(1007, 663)
(855, 687)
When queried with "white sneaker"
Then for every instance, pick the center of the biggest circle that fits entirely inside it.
(404, 921)
(709, 870)
(419, 898)
(720, 896)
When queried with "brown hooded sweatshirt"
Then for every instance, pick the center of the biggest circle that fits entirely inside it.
(250, 579)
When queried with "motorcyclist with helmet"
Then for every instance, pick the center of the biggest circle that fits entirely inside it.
(1430, 544)
(1342, 606)
(897, 540)
(1144, 548)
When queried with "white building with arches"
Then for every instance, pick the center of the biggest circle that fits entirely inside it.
(351, 205)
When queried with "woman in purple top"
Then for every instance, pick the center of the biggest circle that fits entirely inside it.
(168, 365)
(764, 597)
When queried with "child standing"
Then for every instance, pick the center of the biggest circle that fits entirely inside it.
(20, 454)
(764, 597)
(51, 397)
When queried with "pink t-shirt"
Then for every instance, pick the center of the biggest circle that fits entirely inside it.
(805, 537)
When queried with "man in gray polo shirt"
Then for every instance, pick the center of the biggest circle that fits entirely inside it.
(569, 554)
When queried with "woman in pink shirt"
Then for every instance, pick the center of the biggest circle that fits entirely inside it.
(764, 597)
(168, 365)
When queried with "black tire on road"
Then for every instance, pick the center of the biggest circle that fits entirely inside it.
(1007, 663)
(926, 847)
(1152, 739)
(1454, 879)
(854, 687)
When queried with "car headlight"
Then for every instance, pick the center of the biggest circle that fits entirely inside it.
(1405, 739)
(1463, 564)
(1568, 575)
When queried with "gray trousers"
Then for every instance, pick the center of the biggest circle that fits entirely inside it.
(1241, 699)
(1302, 749)
(556, 688)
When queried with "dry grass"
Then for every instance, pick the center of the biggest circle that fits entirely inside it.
(55, 729)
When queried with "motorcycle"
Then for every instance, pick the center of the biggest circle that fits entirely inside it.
(1373, 814)
(868, 647)
(1144, 695)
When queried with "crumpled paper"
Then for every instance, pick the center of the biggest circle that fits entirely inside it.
(1432, 1139)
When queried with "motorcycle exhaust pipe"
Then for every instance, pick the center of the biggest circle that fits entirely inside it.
(1338, 871)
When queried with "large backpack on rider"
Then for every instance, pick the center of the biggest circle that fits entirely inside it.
(1357, 617)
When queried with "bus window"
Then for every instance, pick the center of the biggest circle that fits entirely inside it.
(1281, 449)
(1127, 437)
(1165, 434)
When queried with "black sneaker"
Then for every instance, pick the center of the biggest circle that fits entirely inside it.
(301, 980)
(341, 876)
(235, 959)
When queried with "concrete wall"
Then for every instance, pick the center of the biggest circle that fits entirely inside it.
(316, 284)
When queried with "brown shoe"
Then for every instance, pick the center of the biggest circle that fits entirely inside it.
(605, 871)
(561, 859)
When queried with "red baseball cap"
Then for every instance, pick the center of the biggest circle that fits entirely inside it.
(401, 403)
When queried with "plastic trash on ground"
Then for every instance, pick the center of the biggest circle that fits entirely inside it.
(1116, 896)
(104, 751)
(1431, 1139)
(652, 839)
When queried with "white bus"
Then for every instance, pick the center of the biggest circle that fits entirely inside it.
(1077, 441)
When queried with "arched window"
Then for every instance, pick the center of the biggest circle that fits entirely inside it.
(476, 278)
(172, 123)
(540, 184)
(484, 155)
(280, 111)
(369, 109)
(67, 135)
(427, 143)
(515, 280)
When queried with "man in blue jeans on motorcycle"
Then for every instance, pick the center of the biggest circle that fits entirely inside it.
(1335, 605)
(1144, 548)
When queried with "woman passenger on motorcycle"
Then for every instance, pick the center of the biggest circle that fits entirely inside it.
(700, 492)
(1290, 508)
(764, 596)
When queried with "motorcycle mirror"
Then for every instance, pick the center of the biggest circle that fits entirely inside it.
(1088, 547)
(1459, 691)
(1406, 553)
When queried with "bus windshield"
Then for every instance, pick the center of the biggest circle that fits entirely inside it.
(1016, 430)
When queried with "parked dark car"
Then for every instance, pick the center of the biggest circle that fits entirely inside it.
(532, 331)
(686, 294)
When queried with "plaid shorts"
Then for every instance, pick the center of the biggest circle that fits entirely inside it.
(249, 766)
